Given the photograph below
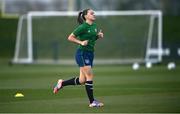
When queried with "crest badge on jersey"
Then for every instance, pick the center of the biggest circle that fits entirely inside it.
(95, 30)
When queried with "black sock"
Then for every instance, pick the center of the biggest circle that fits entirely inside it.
(89, 90)
(73, 81)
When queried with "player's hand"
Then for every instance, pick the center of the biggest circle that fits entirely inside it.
(100, 34)
(84, 43)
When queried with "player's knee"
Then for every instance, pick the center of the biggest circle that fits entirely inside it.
(82, 81)
(87, 71)
(89, 77)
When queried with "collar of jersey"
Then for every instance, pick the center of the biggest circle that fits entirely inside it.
(88, 24)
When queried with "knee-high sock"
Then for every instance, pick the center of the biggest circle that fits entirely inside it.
(73, 81)
(89, 90)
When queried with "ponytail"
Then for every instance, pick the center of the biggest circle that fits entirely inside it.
(81, 16)
(80, 19)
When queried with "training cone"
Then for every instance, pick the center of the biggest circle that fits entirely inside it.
(18, 95)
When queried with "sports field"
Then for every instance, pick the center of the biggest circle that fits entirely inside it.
(119, 87)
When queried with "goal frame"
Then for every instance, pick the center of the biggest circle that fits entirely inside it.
(29, 60)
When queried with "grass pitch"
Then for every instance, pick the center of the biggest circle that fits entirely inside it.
(119, 87)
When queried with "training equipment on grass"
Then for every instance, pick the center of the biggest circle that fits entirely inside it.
(18, 95)
(129, 36)
(135, 66)
(148, 65)
(171, 65)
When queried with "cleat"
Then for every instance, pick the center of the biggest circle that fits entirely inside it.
(96, 104)
(58, 86)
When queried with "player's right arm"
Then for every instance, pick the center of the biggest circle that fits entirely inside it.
(74, 39)
(77, 32)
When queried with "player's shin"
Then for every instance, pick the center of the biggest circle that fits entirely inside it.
(73, 81)
(89, 90)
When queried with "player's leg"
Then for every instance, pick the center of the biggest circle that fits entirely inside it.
(73, 81)
(87, 70)
(76, 80)
(89, 82)
(82, 78)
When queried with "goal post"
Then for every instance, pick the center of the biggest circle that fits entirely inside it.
(130, 36)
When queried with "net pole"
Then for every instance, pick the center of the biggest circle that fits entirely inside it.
(18, 38)
(160, 36)
(29, 38)
(149, 39)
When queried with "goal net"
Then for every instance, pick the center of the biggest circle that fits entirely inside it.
(129, 36)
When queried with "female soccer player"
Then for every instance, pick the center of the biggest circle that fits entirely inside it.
(85, 35)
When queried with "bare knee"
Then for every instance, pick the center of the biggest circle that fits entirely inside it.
(82, 77)
(82, 81)
(88, 73)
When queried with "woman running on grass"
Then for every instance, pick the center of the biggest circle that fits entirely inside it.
(85, 35)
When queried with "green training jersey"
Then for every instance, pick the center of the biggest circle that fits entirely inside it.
(87, 32)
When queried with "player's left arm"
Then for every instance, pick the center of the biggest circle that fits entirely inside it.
(100, 34)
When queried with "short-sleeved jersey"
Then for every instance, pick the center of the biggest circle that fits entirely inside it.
(86, 32)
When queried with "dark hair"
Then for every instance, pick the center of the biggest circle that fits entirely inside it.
(81, 16)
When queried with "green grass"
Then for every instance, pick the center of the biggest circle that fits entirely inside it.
(119, 87)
